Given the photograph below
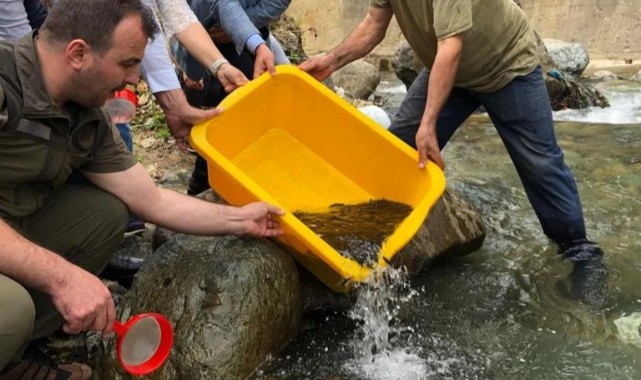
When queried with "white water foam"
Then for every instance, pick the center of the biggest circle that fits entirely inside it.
(625, 108)
(375, 356)
(625, 104)
(629, 328)
(391, 365)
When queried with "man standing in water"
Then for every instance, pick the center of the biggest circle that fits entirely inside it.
(482, 53)
(56, 236)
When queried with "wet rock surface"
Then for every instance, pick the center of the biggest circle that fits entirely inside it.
(232, 301)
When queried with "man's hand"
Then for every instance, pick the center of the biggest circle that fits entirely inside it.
(264, 61)
(230, 77)
(194, 85)
(427, 145)
(218, 35)
(181, 116)
(261, 219)
(320, 67)
(84, 302)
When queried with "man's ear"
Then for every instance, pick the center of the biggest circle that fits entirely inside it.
(77, 53)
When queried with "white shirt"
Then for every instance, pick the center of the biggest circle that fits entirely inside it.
(13, 20)
(156, 67)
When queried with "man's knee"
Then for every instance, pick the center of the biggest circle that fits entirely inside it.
(114, 214)
(16, 319)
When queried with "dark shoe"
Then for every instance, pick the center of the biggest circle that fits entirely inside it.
(25, 370)
(135, 226)
(197, 186)
(123, 269)
(36, 365)
(588, 280)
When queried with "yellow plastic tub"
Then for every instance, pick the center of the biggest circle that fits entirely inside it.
(290, 141)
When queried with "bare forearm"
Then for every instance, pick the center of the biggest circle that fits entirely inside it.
(168, 208)
(28, 263)
(172, 100)
(199, 44)
(369, 33)
(187, 214)
(442, 77)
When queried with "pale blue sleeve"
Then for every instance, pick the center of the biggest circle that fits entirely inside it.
(266, 11)
(235, 22)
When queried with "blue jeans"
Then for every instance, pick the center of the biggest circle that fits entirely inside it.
(522, 115)
(125, 134)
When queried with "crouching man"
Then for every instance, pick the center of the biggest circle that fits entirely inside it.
(55, 236)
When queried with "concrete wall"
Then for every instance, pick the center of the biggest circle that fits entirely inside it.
(611, 29)
(325, 23)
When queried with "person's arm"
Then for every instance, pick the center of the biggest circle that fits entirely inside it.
(158, 71)
(452, 19)
(183, 213)
(369, 33)
(180, 21)
(81, 298)
(234, 21)
(244, 34)
(181, 116)
(440, 86)
(266, 11)
(14, 22)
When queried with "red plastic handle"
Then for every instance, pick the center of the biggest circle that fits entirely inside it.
(119, 328)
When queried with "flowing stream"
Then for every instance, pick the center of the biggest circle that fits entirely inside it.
(504, 311)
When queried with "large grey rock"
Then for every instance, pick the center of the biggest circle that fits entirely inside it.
(453, 227)
(406, 64)
(604, 76)
(358, 79)
(232, 301)
(235, 301)
(570, 57)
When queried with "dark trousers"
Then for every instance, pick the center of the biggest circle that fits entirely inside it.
(522, 116)
(212, 94)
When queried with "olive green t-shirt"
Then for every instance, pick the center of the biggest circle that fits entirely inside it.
(498, 41)
(48, 143)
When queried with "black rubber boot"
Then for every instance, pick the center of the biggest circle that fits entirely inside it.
(589, 277)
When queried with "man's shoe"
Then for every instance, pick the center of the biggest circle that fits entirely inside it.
(36, 365)
(26, 370)
(135, 226)
(588, 280)
(122, 268)
(197, 185)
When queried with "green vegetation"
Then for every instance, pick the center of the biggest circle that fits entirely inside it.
(150, 117)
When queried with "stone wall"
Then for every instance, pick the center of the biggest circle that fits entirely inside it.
(324, 24)
(609, 28)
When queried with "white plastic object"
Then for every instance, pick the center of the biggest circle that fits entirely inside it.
(377, 114)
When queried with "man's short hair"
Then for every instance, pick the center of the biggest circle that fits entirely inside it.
(94, 21)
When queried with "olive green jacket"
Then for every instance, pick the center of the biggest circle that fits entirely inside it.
(41, 144)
